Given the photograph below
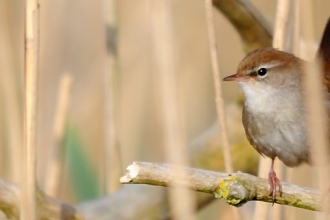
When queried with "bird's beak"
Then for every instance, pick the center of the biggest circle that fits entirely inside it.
(236, 77)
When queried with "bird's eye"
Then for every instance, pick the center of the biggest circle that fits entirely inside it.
(262, 71)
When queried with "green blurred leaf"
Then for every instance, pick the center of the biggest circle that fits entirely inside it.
(83, 177)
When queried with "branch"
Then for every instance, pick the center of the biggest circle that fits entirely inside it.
(250, 24)
(204, 151)
(47, 208)
(235, 189)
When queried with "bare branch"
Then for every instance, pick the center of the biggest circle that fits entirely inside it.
(47, 208)
(253, 28)
(235, 189)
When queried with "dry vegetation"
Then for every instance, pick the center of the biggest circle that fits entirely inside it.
(73, 114)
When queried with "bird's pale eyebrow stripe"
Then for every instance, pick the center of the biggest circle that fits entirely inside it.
(269, 65)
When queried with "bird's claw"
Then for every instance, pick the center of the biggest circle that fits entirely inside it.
(274, 182)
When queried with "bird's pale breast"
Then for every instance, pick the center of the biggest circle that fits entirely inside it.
(273, 125)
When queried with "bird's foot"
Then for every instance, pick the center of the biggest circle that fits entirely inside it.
(274, 182)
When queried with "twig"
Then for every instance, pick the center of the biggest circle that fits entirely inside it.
(235, 189)
(204, 151)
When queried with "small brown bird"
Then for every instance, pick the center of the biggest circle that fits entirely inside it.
(274, 114)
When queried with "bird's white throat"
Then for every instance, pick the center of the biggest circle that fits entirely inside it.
(260, 97)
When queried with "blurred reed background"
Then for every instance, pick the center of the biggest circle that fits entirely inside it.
(73, 48)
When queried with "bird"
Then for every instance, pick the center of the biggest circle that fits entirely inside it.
(274, 113)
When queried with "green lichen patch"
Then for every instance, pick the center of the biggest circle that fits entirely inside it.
(223, 192)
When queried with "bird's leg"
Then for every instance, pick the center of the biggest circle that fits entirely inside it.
(274, 182)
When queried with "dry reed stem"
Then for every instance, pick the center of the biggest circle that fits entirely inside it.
(11, 105)
(282, 24)
(112, 157)
(182, 201)
(218, 94)
(279, 41)
(318, 133)
(261, 209)
(317, 114)
(55, 157)
(218, 88)
(28, 181)
(291, 213)
(296, 27)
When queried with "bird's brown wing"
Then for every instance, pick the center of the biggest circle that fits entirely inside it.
(324, 54)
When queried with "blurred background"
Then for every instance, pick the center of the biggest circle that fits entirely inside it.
(73, 48)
